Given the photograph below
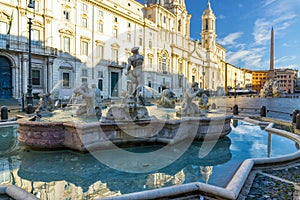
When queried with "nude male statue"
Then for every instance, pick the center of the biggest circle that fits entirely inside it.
(135, 74)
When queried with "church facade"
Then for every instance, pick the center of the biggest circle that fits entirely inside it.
(91, 40)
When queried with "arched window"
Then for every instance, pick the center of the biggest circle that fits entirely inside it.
(164, 62)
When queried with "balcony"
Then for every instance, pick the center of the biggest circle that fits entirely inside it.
(20, 44)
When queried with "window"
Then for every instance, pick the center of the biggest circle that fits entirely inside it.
(206, 24)
(83, 7)
(115, 33)
(129, 25)
(66, 15)
(37, 6)
(115, 54)
(128, 37)
(100, 84)
(115, 19)
(164, 63)
(66, 79)
(179, 25)
(180, 68)
(164, 19)
(100, 50)
(141, 41)
(84, 48)
(180, 81)
(150, 44)
(84, 72)
(66, 41)
(100, 27)
(35, 37)
(100, 13)
(84, 22)
(150, 62)
(149, 84)
(84, 80)
(36, 77)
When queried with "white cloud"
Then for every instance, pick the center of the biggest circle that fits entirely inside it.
(280, 14)
(234, 57)
(267, 2)
(230, 39)
(221, 17)
(285, 59)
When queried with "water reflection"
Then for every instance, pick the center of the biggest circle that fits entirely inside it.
(68, 174)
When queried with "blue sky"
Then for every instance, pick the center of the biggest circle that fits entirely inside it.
(244, 29)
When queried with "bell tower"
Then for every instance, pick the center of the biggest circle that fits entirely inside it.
(208, 33)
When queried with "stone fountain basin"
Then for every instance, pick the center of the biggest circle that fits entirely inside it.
(108, 133)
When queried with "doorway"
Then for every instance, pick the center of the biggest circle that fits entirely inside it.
(5, 78)
(114, 79)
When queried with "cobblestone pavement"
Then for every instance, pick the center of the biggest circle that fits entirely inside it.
(273, 183)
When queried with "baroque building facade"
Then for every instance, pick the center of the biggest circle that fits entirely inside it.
(90, 41)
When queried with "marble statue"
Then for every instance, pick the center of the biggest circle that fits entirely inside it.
(189, 108)
(270, 88)
(166, 99)
(98, 100)
(46, 105)
(203, 101)
(88, 96)
(135, 73)
(128, 111)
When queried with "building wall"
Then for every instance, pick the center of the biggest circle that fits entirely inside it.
(62, 28)
(235, 77)
(258, 79)
(286, 79)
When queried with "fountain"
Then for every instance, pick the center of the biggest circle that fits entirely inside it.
(82, 127)
(270, 89)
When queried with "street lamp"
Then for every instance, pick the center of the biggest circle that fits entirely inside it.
(203, 75)
(234, 85)
(29, 95)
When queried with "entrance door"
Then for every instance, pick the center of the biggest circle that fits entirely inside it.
(5, 78)
(114, 84)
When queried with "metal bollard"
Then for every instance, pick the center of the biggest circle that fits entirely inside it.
(235, 109)
(295, 112)
(263, 111)
(4, 113)
(213, 106)
(298, 121)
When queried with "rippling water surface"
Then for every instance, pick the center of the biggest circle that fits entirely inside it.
(66, 174)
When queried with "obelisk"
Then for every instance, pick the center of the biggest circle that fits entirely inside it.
(271, 71)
